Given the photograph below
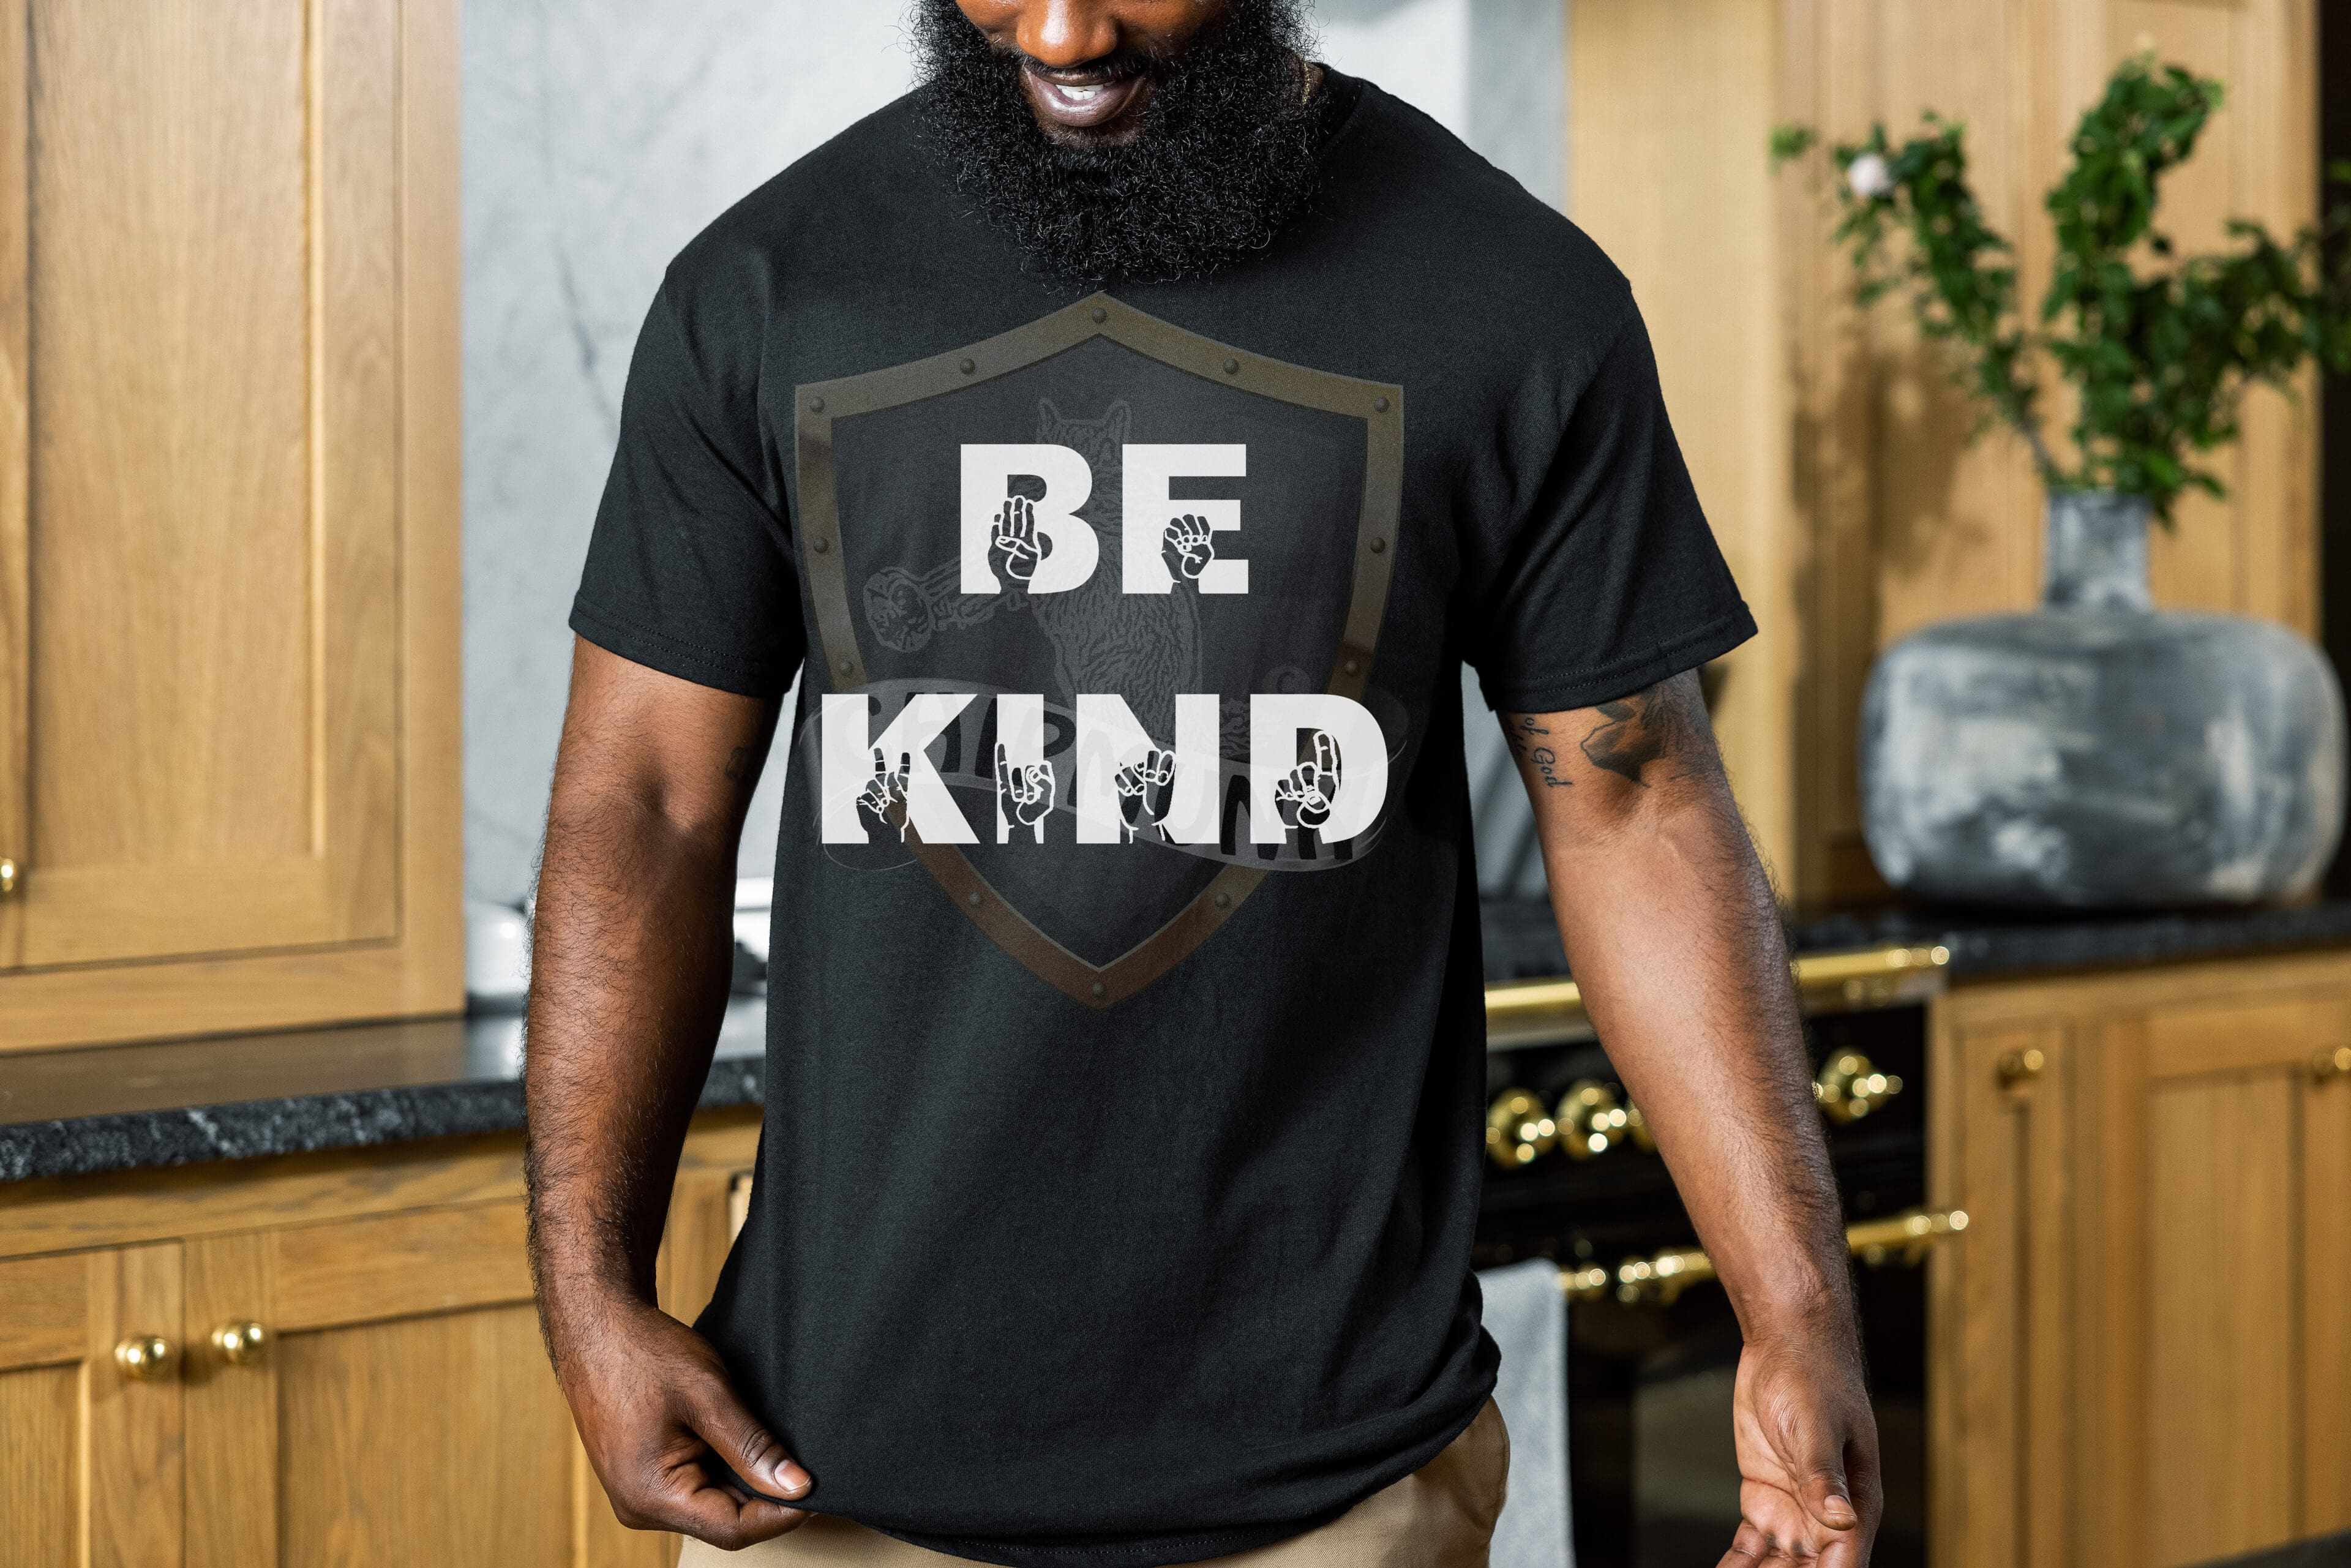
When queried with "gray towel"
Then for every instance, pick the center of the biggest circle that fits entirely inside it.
(1526, 1315)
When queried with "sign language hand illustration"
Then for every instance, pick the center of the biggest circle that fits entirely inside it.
(1145, 787)
(1191, 545)
(884, 803)
(1024, 794)
(1016, 538)
(1304, 798)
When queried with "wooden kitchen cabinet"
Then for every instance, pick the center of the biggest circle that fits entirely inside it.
(62, 1397)
(399, 1409)
(2143, 1351)
(228, 516)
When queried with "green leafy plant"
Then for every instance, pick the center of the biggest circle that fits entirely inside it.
(2159, 348)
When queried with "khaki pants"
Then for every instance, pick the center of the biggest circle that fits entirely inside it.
(1440, 1516)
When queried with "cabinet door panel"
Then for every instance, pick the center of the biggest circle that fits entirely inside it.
(2003, 1330)
(2223, 1154)
(213, 194)
(2326, 1304)
(40, 1421)
(404, 1412)
(2222, 1225)
(66, 1410)
(432, 1439)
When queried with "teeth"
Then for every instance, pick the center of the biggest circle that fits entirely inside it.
(1082, 94)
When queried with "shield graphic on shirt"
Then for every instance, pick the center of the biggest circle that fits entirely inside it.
(1308, 464)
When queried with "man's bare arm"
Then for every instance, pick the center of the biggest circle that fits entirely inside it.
(632, 955)
(1674, 937)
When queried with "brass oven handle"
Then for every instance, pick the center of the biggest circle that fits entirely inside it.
(1662, 1277)
(144, 1357)
(1868, 977)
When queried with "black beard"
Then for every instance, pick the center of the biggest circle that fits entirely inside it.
(1226, 153)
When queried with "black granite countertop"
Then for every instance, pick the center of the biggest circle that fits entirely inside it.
(176, 1102)
(131, 1107)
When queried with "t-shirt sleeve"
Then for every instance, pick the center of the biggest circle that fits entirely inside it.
(690, 567)
(1611, 581)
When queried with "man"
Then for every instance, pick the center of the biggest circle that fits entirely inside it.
(1125, 438)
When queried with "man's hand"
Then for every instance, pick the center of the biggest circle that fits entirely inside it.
(1807, 1444)
(1672, 932)
(631, 960)
(655, 1403)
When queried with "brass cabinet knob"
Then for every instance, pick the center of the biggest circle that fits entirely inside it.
(2334, 1063)
(1592, 1119)
(241, 1342)
(2017, 1067)
(144, 1357)
(7, 876)
(1519, 1130)
(1850, 1087)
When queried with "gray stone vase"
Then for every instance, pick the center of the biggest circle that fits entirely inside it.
(2100, 754)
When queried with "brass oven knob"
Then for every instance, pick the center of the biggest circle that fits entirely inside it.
(2335, 1063)
(1850, 1087)
(1519, 1130)
(241, 1342)
(144, 1357)
(2017, 1067)
(7, 876)
(1592, 1119)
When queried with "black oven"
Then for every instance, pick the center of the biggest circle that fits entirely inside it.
(1651, 1356)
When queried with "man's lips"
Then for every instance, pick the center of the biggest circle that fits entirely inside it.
(1082, 106)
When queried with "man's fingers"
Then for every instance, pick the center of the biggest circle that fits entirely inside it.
(711, 1513)
(1827, 1497)
(1748, 1548)
(745, 1446)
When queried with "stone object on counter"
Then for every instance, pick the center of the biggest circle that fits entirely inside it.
(2100, 754)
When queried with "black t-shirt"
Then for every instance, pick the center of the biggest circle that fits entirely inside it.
(1127, 1041)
